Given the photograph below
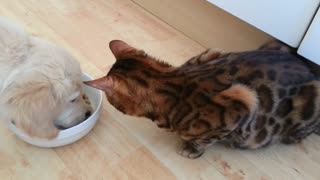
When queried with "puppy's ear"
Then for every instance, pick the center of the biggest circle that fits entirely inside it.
(32, 108)
(118, 47)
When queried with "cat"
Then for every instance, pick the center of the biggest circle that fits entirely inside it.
(246, 100)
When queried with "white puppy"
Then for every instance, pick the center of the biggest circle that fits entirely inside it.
(40, 84)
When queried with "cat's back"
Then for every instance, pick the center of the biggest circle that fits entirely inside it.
(288, 93)
(252, 68)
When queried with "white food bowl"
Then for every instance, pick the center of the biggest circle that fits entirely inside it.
(74, 133)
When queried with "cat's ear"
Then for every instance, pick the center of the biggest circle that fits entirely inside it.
(104, 83)
(117, 47)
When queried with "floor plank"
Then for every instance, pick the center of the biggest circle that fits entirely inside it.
(121, 147)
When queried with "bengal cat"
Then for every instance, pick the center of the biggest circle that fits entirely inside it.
(246, 99)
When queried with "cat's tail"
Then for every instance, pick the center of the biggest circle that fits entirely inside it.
(277, 46)
(14, 41)
(317, 130)
(317, 100)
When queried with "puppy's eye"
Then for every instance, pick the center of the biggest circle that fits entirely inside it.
(73, 100)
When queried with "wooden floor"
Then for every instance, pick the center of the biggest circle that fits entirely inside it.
(120, 147)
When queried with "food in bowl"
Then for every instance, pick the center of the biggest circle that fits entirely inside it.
(86, 99)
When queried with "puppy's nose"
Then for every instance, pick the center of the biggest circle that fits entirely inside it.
(88, 114)
(61, 127)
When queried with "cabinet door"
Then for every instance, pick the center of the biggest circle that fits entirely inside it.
(310, 46)
(286, 20)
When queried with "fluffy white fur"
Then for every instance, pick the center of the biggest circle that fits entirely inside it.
(40, 84)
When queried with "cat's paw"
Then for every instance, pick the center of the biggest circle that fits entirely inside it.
(189, 150)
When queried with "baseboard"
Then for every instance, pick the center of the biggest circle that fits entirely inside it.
(206, 24)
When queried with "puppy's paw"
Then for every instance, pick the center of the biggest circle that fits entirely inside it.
(190, 150)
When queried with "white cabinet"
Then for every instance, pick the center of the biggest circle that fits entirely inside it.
(286, 20)
(310, 46)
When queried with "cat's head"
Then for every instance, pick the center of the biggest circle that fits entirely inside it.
(128, 83)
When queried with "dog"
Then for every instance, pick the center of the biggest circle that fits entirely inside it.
(40, 84)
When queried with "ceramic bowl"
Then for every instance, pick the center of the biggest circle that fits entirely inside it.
(74, 133)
